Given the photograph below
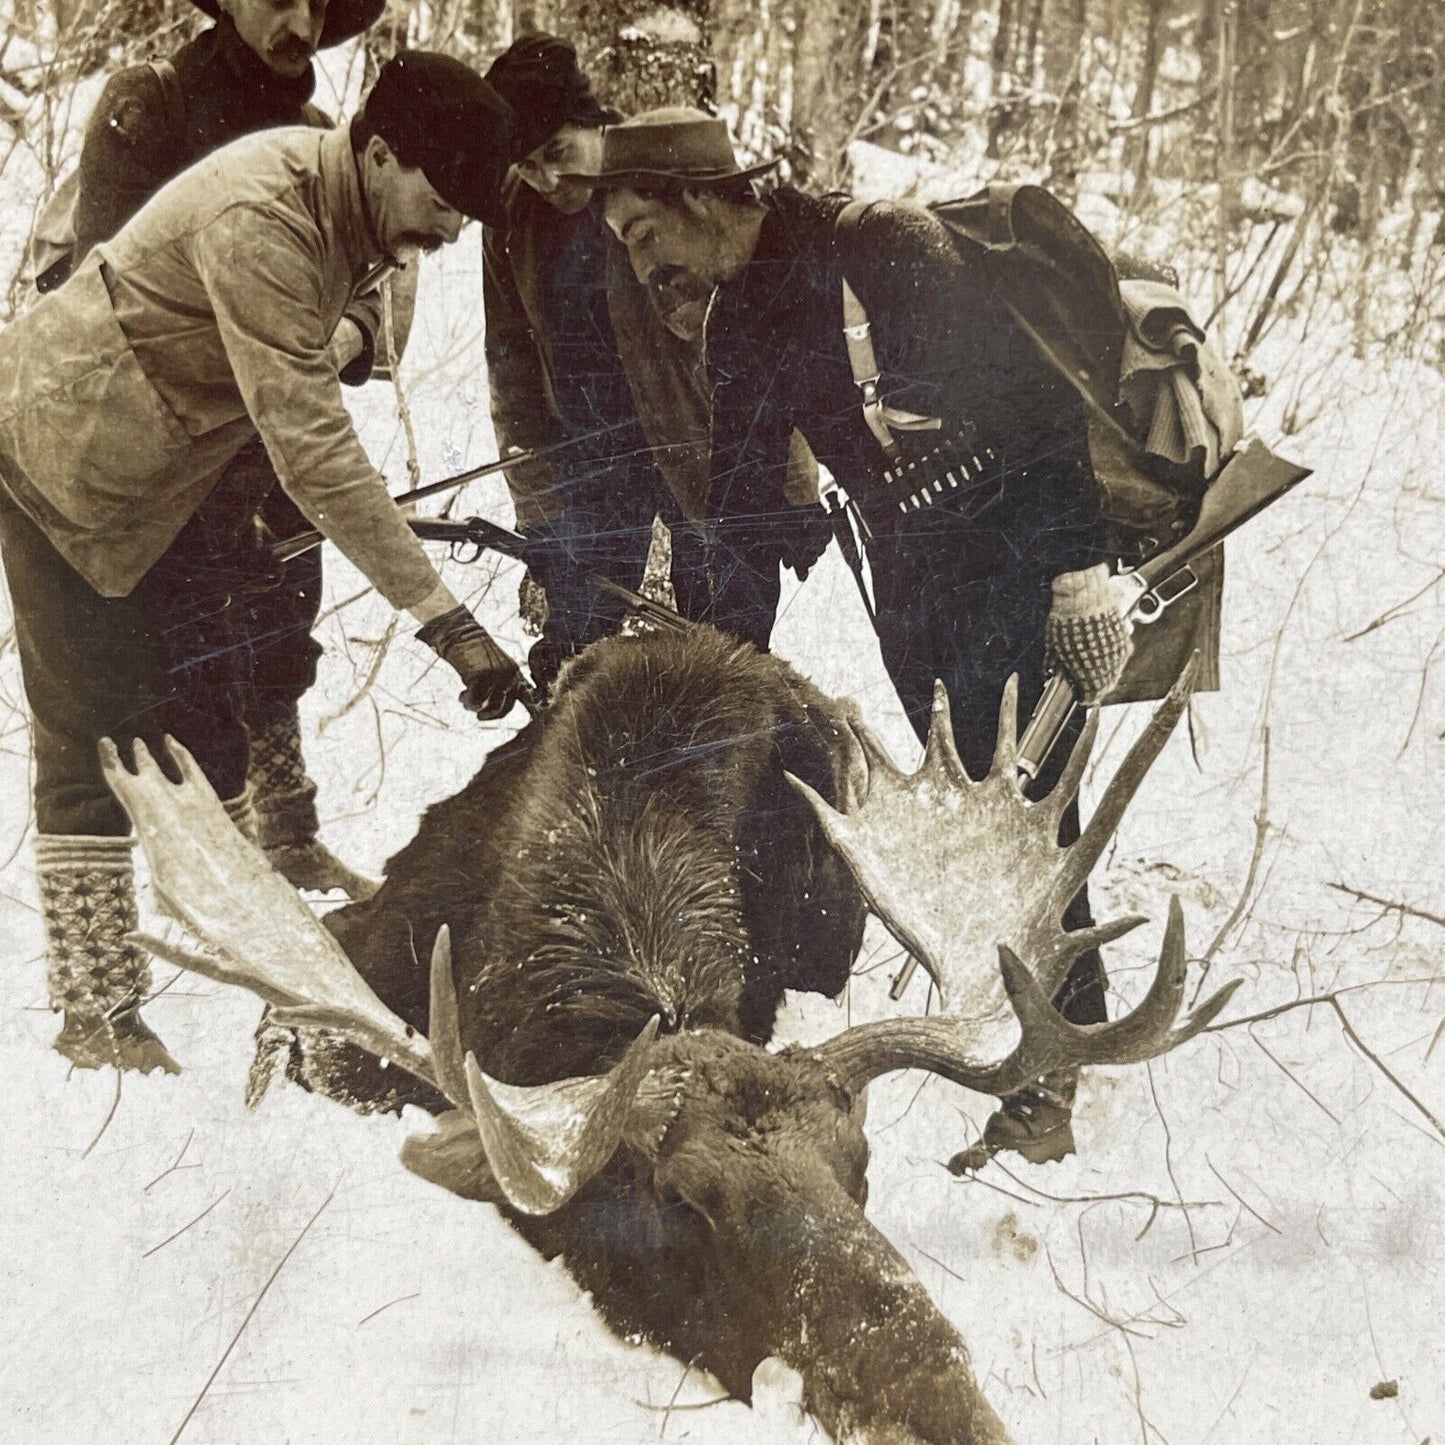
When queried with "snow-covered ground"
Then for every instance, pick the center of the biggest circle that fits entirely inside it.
(1302, 1268)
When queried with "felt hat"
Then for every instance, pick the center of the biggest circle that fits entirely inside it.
(539, 78)
(344, 18)
(436, 113)
(676, 144)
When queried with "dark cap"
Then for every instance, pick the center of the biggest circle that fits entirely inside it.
(674, 144)
(538, 77)
(344, 18)
(436, 113)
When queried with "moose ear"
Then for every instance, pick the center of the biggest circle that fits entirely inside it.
(453, 1157)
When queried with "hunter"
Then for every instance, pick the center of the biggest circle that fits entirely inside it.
(578, 352)
(1003, 574)
(124, 398)
(251, 71)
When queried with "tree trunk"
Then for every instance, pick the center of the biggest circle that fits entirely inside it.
(640, 54)
(1138, 161)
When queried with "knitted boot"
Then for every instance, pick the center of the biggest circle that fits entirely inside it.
(96, 977)
(286, 815)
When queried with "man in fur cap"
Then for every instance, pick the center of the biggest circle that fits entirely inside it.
(125, 397)
(250, 71)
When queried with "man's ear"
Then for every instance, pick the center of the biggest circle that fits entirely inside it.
(698, 204)
(378, 153)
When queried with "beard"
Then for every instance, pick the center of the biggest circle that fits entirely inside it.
(682, 299)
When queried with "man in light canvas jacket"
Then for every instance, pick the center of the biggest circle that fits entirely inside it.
(123, 396)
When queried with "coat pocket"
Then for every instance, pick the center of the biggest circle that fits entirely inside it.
(78, 415)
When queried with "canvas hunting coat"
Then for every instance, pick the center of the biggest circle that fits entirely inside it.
(124, 394)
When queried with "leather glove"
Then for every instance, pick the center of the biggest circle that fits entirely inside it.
(493, 681)
(1086, 636)
(806, 532)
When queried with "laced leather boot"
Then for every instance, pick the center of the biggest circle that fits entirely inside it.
(97, 978)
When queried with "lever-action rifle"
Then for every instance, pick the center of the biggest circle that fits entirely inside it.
(489, 536)
(1253, 478)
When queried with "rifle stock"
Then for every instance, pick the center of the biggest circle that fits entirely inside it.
(1252, 479)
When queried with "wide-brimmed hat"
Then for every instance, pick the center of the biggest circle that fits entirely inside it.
(676, 144)
(436, 113)
(539, 78)
(344, 18)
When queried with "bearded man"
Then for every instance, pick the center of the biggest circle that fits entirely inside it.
(980, 516)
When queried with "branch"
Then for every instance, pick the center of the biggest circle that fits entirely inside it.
(1390, 904)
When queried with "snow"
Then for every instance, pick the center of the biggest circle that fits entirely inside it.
(1307, 1272)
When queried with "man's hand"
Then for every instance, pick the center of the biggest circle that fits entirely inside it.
(492, 680)
(345, 344)
(1087, 633)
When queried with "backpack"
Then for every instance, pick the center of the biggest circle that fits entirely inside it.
(51, 252)
(1163, 410)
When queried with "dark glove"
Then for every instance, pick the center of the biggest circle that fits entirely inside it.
(1086, 636)
(493, 681)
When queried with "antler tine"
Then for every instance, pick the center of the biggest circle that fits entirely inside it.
(444, 1023)
(1125, 783)
(544, 1143)
(1006, 748)
(940, 753)
(1047, 1041)
(255, 930)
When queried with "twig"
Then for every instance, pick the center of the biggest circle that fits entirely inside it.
(1390, 904)
(402, 1299)
(152, 1250)
(110, 1114)
(1397, 610)
(667, 1413)
(1380, 1064)
(1244, 1203)
(176, 1165)
(1264, 1049)
(1261, 832)
(250, 1314)
(403, 406)
(1169, 1157)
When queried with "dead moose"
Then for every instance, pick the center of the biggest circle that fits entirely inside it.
(613, 908)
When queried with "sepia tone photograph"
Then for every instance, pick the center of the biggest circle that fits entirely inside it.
(722, 722)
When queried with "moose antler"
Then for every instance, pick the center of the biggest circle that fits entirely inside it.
(961, 872)
(540, 1145)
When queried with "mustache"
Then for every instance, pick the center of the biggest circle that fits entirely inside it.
(292, 49)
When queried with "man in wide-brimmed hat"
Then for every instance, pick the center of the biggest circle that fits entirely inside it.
(579, 352)
(971, 582)
(251, 71)
(125, 397)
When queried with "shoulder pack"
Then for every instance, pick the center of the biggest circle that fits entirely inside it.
(1164, 412)
(51, 252)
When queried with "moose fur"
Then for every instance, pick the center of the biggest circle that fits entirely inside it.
(637, 853)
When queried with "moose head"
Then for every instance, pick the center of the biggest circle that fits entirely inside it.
(705, 1187)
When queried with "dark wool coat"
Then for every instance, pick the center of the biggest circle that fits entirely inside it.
(963, 590)
(133, 143)
(573, 345)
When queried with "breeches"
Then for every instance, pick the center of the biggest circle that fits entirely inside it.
(212, 638)
(957, 603)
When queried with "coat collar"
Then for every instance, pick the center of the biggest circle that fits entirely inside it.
(341, 189)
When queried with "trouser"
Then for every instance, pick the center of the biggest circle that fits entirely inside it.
(965, 601)
(606, 528)
(209, 639)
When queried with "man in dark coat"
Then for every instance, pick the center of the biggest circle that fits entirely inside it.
(989, 558)
(578, 352)
(249, 72)
(125, 396)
